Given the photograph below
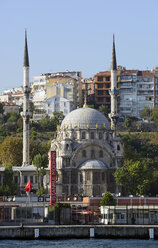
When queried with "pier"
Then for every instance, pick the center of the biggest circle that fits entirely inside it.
(78, 231)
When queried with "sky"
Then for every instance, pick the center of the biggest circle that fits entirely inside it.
(76, 35)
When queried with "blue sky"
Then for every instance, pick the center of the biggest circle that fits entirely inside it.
(76, 35)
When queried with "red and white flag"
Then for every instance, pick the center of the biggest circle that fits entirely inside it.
(28, 187)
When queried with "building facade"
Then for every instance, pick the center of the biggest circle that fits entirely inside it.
(102, 88)
(58, 104)
(87, 154)
(138, 89)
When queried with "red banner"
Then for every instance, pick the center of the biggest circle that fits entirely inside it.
(52, 177)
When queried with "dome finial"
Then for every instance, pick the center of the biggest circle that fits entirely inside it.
(85, 102)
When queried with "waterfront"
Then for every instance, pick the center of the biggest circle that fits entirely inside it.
(79, 243)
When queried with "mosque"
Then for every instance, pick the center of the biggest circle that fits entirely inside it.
(88, 150)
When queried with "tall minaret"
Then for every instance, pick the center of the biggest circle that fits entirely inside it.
(114, 92)
(26, 113)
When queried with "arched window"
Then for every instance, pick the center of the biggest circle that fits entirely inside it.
(92, 154)
(101, 154)
(83, 135)
(75, 135)
(100, 135)
(118, 147)
(67, 147)
(84, 153)
(92, 135)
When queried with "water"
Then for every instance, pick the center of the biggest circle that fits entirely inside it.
(80, 243)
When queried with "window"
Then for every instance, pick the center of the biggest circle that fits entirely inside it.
(66, 161)
(84, 154)
(75, 135)
(100, 86)
(103, 176)
(92, 154)
(81, 178)
(107, 78)
(100, 135)
(100, 78)
(100, 99)
(16, 179)
(107, 85)
(83, 135)
(67, 147)
(87, 175)
(92, 135)
(118, 147)
(25, 179)
(31, 178)
(100, 93)
(101, 154)
(35, 179)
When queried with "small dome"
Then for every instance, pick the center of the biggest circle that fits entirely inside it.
(93, 164)
(83, 117)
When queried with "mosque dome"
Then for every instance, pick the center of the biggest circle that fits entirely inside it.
(84, 117)
(93, 164)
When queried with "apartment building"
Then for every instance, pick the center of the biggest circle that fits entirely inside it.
(58, 104)
(71, 78)
(137, 91)
(102, 88)
(38, 90)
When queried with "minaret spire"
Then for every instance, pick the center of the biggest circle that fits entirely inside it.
(113, 60)
(26, 56)
(114, 91)
(26, 113)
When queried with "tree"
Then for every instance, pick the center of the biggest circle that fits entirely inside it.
(107, 200)
(1, 108)
(11, 151)
(135, 176)
(128, 122)
(41, 163)
(12, 117)
(146, 113)
(41, 191)
(31, 107)
(8, 187)
(47, 123)
(104, 110)
(155, 115)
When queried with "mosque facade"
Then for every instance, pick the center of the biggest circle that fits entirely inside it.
(87, 154)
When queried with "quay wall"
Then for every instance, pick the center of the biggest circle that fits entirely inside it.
(77, 231)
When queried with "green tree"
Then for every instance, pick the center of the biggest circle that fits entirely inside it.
(11, 151)
(146, 113)
(20, 123)
(104, 110)
(155, 115)
(107, 200)
(47, 123)
(41, 163)
(128, 122)
(31, 107)
(1, 108)
(8, 187)
(134, 176)
(12, 117)
(41, 191)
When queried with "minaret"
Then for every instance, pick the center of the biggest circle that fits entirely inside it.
(114, 92)
(26, 113)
